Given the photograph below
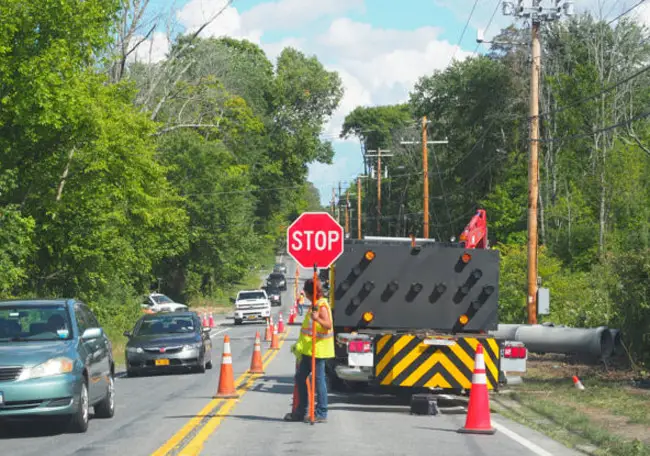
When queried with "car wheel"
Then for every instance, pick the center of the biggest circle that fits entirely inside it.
(106, 408)
(237, 322)
(79, 421)
(131, 373)
(208, 365)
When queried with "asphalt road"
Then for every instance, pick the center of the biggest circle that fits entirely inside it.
(177, 415)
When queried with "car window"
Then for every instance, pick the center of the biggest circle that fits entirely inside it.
(162, 299)
(24, 323)
(277, 276)
(167, 324)
(90, 317)
(82, 318)
(251, 295)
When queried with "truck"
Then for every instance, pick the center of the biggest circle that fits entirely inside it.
(409, 314)
(251, 305)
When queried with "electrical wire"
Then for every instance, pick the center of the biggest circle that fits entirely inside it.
(626, 12)
(496, 8)
(471, 13)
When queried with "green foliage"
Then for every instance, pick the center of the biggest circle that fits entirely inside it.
(107, 187)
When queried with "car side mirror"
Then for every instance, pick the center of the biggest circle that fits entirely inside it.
(92, 333)
(127, 334)
(233, 300)
(206, 329)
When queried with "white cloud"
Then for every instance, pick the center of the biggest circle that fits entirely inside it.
(152, 50)
(273, 50)
(380, 66)
(285, 14)
(225, 20)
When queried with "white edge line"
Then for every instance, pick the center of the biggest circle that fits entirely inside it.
(212, 335)
(521, 440)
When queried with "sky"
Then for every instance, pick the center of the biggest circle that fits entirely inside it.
(380, 48)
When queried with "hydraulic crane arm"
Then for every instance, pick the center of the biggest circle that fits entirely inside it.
(474, 236)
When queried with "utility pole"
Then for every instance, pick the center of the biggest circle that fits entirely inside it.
(347, 212)
(538, 14)
(338, 205)
(332, 202)
(425, 171)
(380, 153)
(358, 207)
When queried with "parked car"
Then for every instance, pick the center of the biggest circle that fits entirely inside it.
(277, 280)
(280, 267)
(251, 305)
(55, 359)
(275, 296)
(168, 341)
(157, 302)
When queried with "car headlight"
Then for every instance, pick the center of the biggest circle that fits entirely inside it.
(193, 346)
(134, 350)
(54, 366)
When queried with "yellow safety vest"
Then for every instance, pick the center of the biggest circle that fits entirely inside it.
(324, 337)
(301, 300)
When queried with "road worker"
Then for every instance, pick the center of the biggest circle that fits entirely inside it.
(324, 349)
(301, 302)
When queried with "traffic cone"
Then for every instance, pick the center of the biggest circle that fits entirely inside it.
(292, 316)
(256, 362)
(204, 323)
(226, 377)
(281, 327)
(267, 336)
(478, 410)
(211, 321)
(577, 383)
(274, 341)
(296, 396)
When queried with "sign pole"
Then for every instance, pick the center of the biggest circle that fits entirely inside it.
(314, 308)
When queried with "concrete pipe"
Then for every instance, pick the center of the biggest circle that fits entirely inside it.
(506, 332)
(596, 342)
(617, 341)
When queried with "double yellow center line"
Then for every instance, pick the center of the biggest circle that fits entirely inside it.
(243, 383)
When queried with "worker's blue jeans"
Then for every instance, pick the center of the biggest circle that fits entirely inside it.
(304, 368)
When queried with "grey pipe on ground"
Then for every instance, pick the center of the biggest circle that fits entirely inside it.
(597, 342)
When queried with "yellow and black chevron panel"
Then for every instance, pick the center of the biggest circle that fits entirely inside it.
(408, 361)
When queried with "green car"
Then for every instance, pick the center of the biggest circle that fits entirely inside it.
(55, 361)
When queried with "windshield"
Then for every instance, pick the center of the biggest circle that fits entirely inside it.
(251, 295)
(276, 277)
(34, 323)
(162, 299)
(165, 324)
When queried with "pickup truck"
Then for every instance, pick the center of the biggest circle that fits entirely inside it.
(251, 305)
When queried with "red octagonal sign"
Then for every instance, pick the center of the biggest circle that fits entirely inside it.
(315, 239)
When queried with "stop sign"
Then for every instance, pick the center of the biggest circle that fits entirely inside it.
(315, 239)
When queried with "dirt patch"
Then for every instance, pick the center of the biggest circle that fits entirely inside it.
(616, 424)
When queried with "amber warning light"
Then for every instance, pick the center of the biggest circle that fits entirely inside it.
(463, 319)
(368, 316)
(370, 255)
(466, 257)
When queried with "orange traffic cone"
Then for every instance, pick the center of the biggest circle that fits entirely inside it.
(292, 316)
(577, 383)
(478, 410)
(226, 377)
(296, 397)
(204, 323)
(274, 341)
(211, 320)
(267, 336)
(256, 362)
(281, 327)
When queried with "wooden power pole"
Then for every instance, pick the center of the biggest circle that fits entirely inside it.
(380, 153)
(347, 212)
(425, 172)
(537, 13)
(358, 208)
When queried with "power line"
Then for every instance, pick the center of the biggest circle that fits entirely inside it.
(601, 130)
(496, 8)
(464, 29)
(596, 95)
(627, 11)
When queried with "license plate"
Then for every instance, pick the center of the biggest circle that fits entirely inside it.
(360, 359)
(162, 362)
(2, 399)
(251, 317)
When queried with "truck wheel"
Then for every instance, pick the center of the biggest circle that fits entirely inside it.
(237, 322)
